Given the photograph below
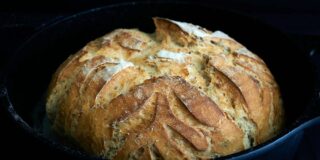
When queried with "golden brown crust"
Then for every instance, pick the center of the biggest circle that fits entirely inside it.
(182, 93)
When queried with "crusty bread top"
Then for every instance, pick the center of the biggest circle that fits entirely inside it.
(181, 93)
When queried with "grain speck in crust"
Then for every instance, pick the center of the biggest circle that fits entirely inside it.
(183, 92)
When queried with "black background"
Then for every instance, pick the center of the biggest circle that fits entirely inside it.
(300, 20)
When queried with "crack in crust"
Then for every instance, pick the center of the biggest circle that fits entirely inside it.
(182, 93)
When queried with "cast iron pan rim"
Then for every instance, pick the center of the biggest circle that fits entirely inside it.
(56, 21)
(272, 142)
(268, 145)
(4, 95)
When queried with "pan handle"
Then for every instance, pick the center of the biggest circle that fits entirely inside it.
(4, 101)
(315, 60)
(3, 90)
(313, 111)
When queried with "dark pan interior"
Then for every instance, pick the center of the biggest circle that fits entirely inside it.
(32, 67)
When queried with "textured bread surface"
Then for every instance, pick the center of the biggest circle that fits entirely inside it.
(182, 92)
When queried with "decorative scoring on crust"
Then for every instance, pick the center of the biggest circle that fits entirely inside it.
(182, 93)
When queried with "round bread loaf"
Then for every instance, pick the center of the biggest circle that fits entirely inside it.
(181, 93)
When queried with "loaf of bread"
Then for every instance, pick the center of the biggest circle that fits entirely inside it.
(183, 92)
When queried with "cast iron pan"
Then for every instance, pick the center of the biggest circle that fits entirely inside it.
(30, 70)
